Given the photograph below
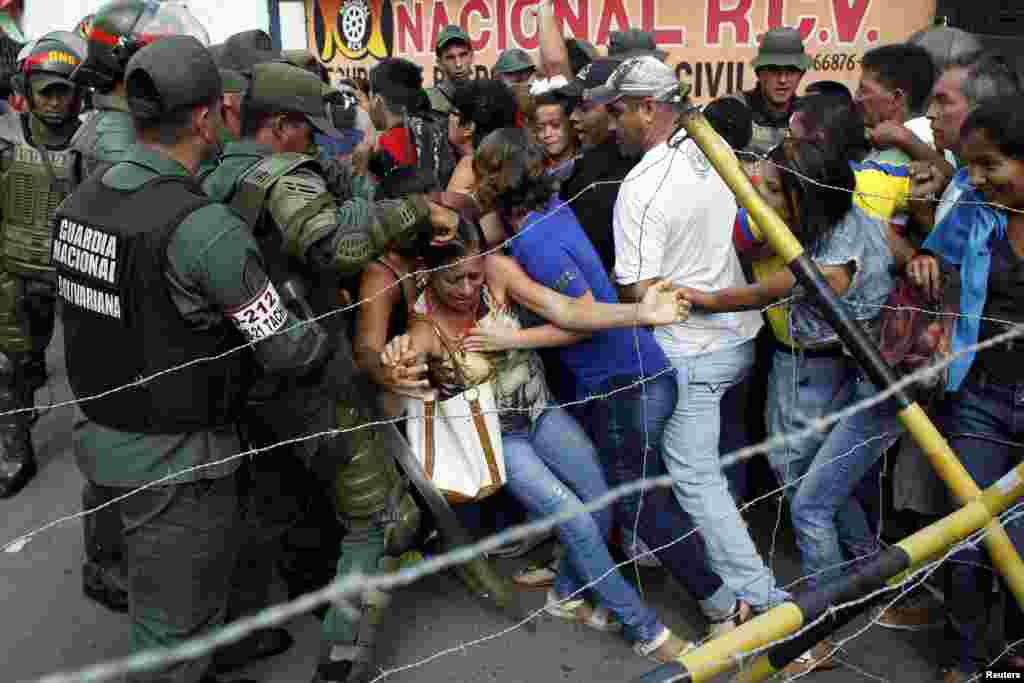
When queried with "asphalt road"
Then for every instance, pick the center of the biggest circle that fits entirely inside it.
(46, 624)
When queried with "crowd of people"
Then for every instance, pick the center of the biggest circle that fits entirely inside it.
(309, 257)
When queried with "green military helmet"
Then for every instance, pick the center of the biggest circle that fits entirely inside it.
(49, 61)
(513, 60)
(121, 28)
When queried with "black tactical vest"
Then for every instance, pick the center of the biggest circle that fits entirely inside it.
(120, 323)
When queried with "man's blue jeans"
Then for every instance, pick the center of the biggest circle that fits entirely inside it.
(693, 459)
(980, 412)
(554, 466)
(628, 429)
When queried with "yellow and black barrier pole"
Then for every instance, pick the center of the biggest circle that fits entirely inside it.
(715, 657)
(718, 655)
(943, 460)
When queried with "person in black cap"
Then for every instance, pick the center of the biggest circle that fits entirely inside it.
(454, 52)
(603, 161)
(156, 275)
(114, 34)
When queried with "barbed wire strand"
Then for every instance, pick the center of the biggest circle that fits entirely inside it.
(21, 540)
(353, 584)
(427, 271)
(17, 544)
(141, 381)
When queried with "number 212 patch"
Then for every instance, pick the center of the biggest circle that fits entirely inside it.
(261, 317)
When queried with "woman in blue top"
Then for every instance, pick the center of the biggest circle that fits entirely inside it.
(551, 247)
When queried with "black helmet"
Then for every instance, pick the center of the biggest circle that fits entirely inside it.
(122, 27)
(48, 60)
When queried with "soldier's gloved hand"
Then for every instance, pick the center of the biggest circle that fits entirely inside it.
(403, 219)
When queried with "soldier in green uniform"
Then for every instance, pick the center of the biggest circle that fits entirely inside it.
(454, 51)
(310, 242)
(37, 167)
(153, 274)
(114, 34)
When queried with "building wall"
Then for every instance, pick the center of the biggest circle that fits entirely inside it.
(710, 42)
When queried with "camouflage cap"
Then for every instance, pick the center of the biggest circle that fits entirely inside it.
(450, 34)
(278, 87)
(513, 60)
(169, 75)
(641, 77)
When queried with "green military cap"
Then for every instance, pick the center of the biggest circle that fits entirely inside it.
(171, 74)
(513, 60)
(633, 43)
(278, 87)
(782, 47)
(450, 34)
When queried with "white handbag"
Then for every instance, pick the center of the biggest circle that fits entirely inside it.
(458, 443)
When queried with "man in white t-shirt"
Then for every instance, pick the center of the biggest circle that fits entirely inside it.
(674, 220)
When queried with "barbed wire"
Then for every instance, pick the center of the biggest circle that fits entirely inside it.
(357, 582)
(670, 150)
(141, 381)
(651, 551)
(873, 195)
(17, 544)
(354, 584)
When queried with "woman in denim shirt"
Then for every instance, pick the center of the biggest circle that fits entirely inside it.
(811, 188)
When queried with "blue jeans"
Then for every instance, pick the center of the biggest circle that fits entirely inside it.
(849, 451)
(993, 410)
(693, 459)
(552, 467)
(735, 407)
(801, 390)
(629, 452)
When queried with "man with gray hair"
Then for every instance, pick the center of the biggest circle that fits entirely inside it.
(945, 44)
(673, 220)
(965, 83)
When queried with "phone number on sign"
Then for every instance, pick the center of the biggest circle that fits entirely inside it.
(836, 62)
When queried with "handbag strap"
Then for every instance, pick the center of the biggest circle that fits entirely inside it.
(485, 440)
(428, 434)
